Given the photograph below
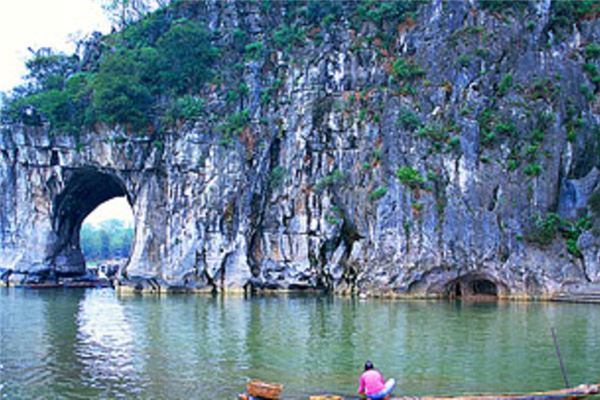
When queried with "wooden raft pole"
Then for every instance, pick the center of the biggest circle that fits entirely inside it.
(326, 397)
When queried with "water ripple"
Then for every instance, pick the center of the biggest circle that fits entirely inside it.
(93, 344)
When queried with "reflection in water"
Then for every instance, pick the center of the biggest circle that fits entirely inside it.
(59, 319)
(93, 344)
(105, 345)
(24, 344)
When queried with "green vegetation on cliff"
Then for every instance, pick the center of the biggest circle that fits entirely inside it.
(153, 72)
(566, 13)
(546, 229)
(148, 70)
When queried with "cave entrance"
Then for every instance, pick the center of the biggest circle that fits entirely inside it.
(84, 191)
(472, 288)
(483, 287)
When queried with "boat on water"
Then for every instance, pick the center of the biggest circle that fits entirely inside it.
(39, 286)
(69, 285)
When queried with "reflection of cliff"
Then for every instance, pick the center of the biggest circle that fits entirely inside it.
(364, 156)
(23, 343)
(41, 355)
(63, 329)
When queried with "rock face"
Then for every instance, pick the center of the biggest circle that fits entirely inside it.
(52, 183)
(409, 159)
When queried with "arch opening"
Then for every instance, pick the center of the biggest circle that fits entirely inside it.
(106, 237)
(84, 191)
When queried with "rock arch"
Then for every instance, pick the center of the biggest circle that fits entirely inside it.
(271, 207)
(50, 183)
(85, 189)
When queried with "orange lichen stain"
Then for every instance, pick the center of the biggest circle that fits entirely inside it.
(314, 31)
(307, 158)
(369, 93)
(408, 24)
(448, 87)
(387, 67)
(248, 139)
(416, 211)
(275, 252)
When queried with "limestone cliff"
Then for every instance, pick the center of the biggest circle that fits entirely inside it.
(458, 147)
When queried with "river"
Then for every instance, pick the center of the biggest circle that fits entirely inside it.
(81, 344)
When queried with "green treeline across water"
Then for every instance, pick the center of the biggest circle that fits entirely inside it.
(107, 239)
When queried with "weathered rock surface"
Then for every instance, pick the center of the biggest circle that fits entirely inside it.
(307, 197)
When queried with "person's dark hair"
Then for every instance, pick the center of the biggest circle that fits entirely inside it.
(368, 365)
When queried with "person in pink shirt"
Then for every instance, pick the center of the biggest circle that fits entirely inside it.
(373, 386)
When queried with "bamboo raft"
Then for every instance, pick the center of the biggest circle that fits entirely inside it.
(272, 392)
(579, 392)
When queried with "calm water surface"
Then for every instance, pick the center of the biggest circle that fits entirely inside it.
(94, 344)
